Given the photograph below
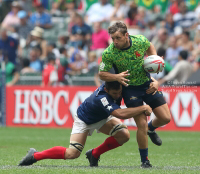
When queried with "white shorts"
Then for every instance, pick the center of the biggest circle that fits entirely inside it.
(80, 127)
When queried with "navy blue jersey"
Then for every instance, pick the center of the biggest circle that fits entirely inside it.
(98, 106)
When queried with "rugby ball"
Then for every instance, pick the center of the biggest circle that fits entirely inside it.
(153, 64)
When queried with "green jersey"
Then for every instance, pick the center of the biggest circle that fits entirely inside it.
(131, 59)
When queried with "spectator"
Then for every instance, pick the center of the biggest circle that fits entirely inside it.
(61, 66)
(24, 28)
(36, 40)
(131, 21)
(52, 49)
(161, 40)
(151, 30)
(63, 5)
(41, 18)
(181, 72)
(26, 6)
(92, 63)
(100, 38)
(169, 24)
(35, 60)
(156, 13)
(81, 51)
(197, 12)
(78, 65)
(63, 40)
(9, 45)
(196, 51)
(99, 12)
(142, 18)
(12, 76)
(11, 18)
(185, 42)
(93, 68)
(26, 67)
(72, 20)
(185, 19)
(81, 32)
(120, 10)
(63, 52)
(54, 72)
(175, 8)
(173, 51)
(45, 3)
(49, 74)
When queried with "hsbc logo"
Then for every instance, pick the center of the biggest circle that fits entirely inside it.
(44, 113)
(185, 109)
(78, 99)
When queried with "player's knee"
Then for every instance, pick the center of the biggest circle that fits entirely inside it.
(142, 125)
(167, 119)
(75, 155)
(75, 149)
(72, 153)
(122, 136)
(120, 133)
(126, 135)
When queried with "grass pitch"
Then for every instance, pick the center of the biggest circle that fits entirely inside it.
(179, 153)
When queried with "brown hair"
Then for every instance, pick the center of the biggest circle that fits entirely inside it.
(118, 26)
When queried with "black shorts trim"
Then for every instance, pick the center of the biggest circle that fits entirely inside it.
(157, 102)
(134, 104)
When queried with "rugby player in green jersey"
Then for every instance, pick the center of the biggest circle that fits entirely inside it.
(126, 56)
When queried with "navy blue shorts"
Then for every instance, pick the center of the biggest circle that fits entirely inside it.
(134, 96)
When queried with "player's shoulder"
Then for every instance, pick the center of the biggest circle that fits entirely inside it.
(138, 37)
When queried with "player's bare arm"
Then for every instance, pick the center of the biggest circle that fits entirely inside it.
(153, 87)
(151, 50)
(132, 112)
(109, 77)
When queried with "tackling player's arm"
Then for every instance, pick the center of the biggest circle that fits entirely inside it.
(132, 112)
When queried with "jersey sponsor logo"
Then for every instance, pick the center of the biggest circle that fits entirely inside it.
(102, 65)
(104, 101)
(137, 54)
(133, 98)
(109, 108)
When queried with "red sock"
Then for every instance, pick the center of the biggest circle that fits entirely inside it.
(109, 144)
(56, 152)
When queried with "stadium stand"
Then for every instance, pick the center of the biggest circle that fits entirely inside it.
(150, 19)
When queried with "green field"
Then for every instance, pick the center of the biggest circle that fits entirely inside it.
(180, 153)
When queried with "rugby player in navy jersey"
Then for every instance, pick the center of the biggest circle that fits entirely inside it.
(100, 111)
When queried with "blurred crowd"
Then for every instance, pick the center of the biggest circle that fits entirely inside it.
(60, 39)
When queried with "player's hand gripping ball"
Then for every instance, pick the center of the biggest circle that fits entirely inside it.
(154, 64)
